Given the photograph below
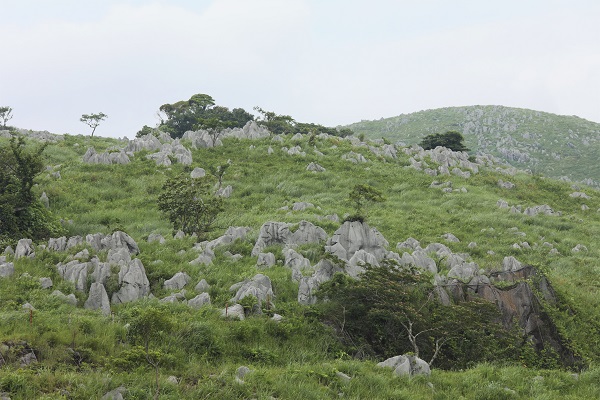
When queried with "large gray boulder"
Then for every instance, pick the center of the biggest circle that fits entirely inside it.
(271, 233)
(324, 271)
(6, 269)
(406, 365)
(24, 249)
(101, 271)
(353, 236)
(265, 260)
(359, 259)
(133, 283)
(76, 272)
(98, 299)
(118, 256)
(202, 286)
(70, 299)
(307, 233)
(199, 301)
(231, 235)
(259, 286)
(177, 282)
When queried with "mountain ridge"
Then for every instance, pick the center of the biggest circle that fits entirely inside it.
(564, 147)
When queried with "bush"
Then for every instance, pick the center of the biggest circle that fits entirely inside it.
(452, 140)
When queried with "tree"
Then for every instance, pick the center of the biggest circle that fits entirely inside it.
(189, 203)
(452, 140)
(360, 196)
(21, 214)
(93, 120)
(393, 310)
(5, 115)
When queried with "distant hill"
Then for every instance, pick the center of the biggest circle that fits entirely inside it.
(549, 144)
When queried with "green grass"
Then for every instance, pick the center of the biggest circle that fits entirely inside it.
(299, 357)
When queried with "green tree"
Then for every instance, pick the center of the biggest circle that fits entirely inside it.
(21, 214)
(93, 120)
(392, 310)
(5, 115)
(452, 140)
(189, 203)
(360, 196)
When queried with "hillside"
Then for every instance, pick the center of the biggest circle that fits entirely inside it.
(548, 144)
(140, 308)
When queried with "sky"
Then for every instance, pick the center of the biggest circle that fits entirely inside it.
(331, 62)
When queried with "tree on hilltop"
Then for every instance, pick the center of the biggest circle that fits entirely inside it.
(5, 115)
(93, 120)
(452, 140)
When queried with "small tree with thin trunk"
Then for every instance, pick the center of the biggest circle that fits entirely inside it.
(5, 115)
(93, 120)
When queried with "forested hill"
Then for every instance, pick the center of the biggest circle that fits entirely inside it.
(549, 144)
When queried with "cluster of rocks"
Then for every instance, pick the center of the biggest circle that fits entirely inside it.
(543, 209)
(108, 157)
(443, 161)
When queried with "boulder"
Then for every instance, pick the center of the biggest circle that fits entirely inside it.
(259, 286)
(202, 286)
(409, 243)
(71, 299)
(45, 283)
(118, 256)
(314, 167)
(199, 301)
(44, 199)
(359, 259)
(155, 237)
(511, 264)
(177, 282)
(324, 271)
(450, 237)
(406, 365)
(24, 249)
(271, 233)
(353, 236)
(265, 260)
(236, 311)
(295, 260)
(301, 206)
(6, 269)
(76, 272)
(133, 283)
(115, 394)
(98, 299)
(307, 233)
(198, 173)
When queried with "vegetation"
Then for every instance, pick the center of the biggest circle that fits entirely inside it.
(360, 196)
(5, 115)
(451, 140)
(82, 354)
(190, 204)
(93, 120)
(547, 144)
(21, 214)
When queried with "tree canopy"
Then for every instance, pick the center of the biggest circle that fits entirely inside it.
(5, 115)
(452, 140)
(93, 120)
(21, 214)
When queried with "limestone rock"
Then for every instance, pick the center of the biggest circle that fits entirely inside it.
(271, 233)
(353, 236)
(98, 299)
(578, 248)
(198, 173)
(265, 260)
(511, 264)
(202, 286)
(24, 249)
(199, 301)
(301, 206)
(409, 243)
(177, 282)
(115, 394)
(259, 286)
(76, 272)
(314, 167)
(359, 259)
(579, 195)
(505, 185)
(236, 311)
(45, 283)
(44, 199)
(155, 237)
(406, 365)
(118, 256)
(324, 271)
(133, 283)
(225, 192)
(295, 260)
(71, 299)
(6, 269)
(450, 237)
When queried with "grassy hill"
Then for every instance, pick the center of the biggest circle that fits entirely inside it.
(548, 144)
(82, 354)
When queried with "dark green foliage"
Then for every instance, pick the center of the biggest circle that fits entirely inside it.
(149, 324)
(360, 196)
(189, 203)
(93, 120)
(200, 112)
(392, 311)
(451, 140)
(5, 115)
(21, 214)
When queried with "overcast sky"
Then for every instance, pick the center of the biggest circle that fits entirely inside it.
(331, 62)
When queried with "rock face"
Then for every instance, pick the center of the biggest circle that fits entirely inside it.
(133, 283)
(406, 365)
(24, 249)
(259, 286)
(354, 236)
(278, 233)
(98, 299)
